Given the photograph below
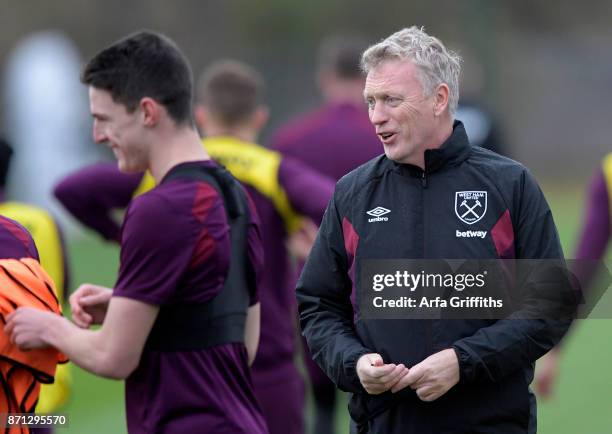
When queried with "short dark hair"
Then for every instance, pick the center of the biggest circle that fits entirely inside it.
(6, 152)
(232, 90)
(144, 64)
(341, 54)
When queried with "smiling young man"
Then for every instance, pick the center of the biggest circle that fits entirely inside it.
(230, 111)
(182, 323)
(424, 375)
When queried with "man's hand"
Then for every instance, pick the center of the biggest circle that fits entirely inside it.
(89, 304)
(27, 325)
(376, 376)
(546, 374)
(300, 243)
(433, 377)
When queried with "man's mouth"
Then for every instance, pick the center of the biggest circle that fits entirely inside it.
(386, 137)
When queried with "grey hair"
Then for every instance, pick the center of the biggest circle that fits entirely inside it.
(435, 62)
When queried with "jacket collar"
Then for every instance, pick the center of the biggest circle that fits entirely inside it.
(451, 153)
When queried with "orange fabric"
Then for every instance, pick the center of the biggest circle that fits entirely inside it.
(24, 283)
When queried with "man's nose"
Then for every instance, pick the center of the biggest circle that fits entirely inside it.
(378, 114)
(98, 134)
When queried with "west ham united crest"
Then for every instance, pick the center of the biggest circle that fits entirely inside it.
(470, 206)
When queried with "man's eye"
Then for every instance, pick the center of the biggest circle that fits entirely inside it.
(370, 103)
(393, 100)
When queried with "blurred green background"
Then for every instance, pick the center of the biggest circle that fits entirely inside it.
(582, 402)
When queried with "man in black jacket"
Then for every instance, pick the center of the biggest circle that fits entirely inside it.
(431, 196)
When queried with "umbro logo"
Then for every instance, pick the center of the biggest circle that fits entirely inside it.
(378, 214)
(378, 211)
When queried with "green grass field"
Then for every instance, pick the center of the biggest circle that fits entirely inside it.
(582, 403)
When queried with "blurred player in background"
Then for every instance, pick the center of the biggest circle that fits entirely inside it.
(334, 139)
(482, 127)
(593, 242)
(53, 257)
(338, 136)
(182, 322)
(230, 112)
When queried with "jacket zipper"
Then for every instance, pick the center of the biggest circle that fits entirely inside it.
(428, 323)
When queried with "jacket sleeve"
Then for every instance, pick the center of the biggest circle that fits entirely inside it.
(519, 340)
(595, 231)
(91, 193)
(326, 313)
(308, 191)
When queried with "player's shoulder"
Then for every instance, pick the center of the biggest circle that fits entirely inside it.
(511, 178)
(159, 204)
(294, 166)
(497, 167)
(151, 206)
(20, 210)
(297, 127)
(12, 230)
(155, 219)
(175, 200)
(360, 177)
(487, 158)
(11, 225)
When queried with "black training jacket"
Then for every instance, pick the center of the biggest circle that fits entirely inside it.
(496, 357)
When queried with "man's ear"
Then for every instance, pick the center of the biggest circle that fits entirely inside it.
(260, 117)
(201, 115)
(440, 102)
(151, 111)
